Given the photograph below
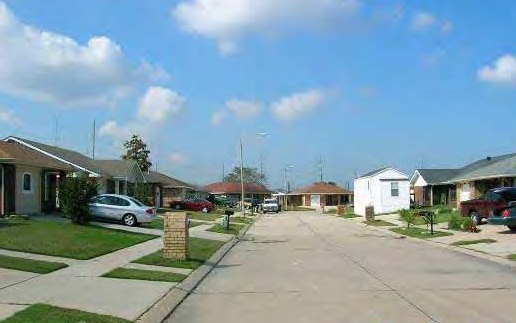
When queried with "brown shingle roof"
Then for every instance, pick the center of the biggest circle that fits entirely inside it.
(321, 188)
(16, 153)
(170, 182)
(236, 188)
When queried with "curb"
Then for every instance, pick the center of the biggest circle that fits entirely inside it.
(469, 252)
(164, 307)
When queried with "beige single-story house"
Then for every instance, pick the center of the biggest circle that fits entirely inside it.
(29, 180)
(322, 194)
(167, 189)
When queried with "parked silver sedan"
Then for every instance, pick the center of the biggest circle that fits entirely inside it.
(121, 208)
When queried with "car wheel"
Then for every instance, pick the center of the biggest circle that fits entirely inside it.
(204, 209)
(177, 206)
(130, 220)
(512, 227)
(477, 220)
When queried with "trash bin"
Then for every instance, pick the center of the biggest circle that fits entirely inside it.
(369, 213)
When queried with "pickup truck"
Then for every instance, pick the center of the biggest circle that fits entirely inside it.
(270, 205)
(495, 202)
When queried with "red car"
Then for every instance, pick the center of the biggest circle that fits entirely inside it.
(193, 204)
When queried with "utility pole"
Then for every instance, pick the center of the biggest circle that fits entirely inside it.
(321, 169)
(93, 137)
(242, 176)
(223, 171)
(286, 184)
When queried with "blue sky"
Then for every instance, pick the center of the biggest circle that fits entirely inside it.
(361, 84)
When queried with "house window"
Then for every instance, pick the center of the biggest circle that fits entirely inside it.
(27, 182)
(395, 191)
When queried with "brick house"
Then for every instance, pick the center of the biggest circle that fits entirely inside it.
(321, 194)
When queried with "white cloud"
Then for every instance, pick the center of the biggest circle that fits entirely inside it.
(244, 109)
(422, 21)
(230, 21)
(9, 118)
(159, 103)
(297, 105)
(177, 158)
(502, 71)
(218, 117)
(50, 67)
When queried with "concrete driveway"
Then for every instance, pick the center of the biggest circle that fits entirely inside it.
(307, 267)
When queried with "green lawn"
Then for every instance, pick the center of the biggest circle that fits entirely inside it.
(43, 313)
(468, 242)
(419, 233)
(380, 223)
(128, 273)
(240, 219)
(64, 239)
(158, 224)
(438, 218)
(512, 257)
(33, 266)
(213, 215)
(200, 250)
(349, 216)
(234, 228)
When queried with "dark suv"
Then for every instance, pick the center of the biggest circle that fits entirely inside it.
(494, 204)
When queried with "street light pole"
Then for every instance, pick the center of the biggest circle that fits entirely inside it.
(242, 176)
(286, 184)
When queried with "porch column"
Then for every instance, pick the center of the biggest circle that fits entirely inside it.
(431, 195)
(58, 176)
(126, 183)
(117, 186)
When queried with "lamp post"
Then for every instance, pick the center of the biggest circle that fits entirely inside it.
(242, 177)
(286, 184)
(262, 135)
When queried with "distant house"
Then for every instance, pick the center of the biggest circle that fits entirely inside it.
(234, 190)
(168, 189)
(387, 189)
(29, 180)
(433, 187)
(320, 194)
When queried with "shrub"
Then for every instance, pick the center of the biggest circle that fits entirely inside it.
(455, 222)
(75, 194)
(408, 216)
(469, 225)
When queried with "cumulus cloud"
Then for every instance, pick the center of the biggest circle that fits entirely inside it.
(244, 109)
(297, 105)
(177, 158)
(229, 21)
(503, 71)
(159, 103)
(422, 21)
(50, 67)
(9, 118)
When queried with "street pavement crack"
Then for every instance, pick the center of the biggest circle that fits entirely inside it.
(363, 267)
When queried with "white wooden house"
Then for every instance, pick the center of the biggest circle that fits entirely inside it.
(387, 189)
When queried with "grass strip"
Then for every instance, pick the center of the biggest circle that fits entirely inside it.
(139, 274)
(380, 223)
(420, 233)
(234, 228)
(200, 250)
(468, 242)
(30, 265)
(43, 313)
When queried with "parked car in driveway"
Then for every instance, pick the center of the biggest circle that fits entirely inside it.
(121, 208)
(193, 204)
(270, 205)
(493, 204)
(507, 217)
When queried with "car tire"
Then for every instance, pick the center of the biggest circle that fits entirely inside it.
(512, 227)
(130, 220)
(477, 219)
(205, 209)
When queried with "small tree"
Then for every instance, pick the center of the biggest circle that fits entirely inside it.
(137, 150)
(408, 216)
(142, 192)
(75, 194)
(251, 175)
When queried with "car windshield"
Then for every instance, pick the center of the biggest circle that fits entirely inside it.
(135, 201)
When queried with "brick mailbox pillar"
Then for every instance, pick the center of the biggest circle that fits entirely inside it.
(369, 213)
(175, 238)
